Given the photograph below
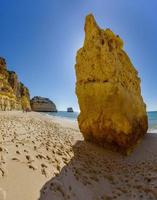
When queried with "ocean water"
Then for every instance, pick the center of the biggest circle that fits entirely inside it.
(152, 118)
(65, 114)
(152, 121)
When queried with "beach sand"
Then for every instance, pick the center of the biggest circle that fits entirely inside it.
(46, 158)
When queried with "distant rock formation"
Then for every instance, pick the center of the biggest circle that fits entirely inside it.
(42, 104)
(70, 109)
(108, 91)
(13, 94)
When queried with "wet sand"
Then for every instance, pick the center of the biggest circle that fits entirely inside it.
(46, 158)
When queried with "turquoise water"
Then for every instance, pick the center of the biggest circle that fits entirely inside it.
(69, 115)
(152, 118)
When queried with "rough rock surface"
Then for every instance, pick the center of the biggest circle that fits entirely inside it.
(13, 94)
(112, 110)
(70, 109)
(42, 104)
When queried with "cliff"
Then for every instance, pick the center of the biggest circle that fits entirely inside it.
(42, 104)
(112, 110)
(13, 94)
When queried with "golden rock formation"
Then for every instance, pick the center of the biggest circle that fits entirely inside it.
(112, 110)
(12, 92)
(42, 104)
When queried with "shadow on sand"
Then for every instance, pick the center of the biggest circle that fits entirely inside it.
(98, 174)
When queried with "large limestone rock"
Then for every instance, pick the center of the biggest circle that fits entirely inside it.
(42, 104)
(108, 90)
(13, 94)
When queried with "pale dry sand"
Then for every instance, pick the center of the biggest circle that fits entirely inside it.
(46, 158)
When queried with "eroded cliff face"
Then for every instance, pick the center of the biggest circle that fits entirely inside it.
(108, 90)
(13, 94)
(42, 104)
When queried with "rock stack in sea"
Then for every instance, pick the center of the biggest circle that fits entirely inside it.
(13, 94)
(70, 109)
(112, 110)
(42, 104)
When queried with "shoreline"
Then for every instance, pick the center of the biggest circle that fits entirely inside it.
(64, 121)
(47, 158)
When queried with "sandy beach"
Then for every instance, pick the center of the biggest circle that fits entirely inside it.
(46, 158)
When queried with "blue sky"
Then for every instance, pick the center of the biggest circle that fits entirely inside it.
(39, 39)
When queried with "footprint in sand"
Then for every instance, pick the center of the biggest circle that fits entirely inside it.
(17, 152)
(58, 187)
(2, 173)
(35, 148)
(3, 169)
(40, 156)
(16, 159)
(3, 150)
(29, 158)
(43, 165)
(33, 167)
(44, 172)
